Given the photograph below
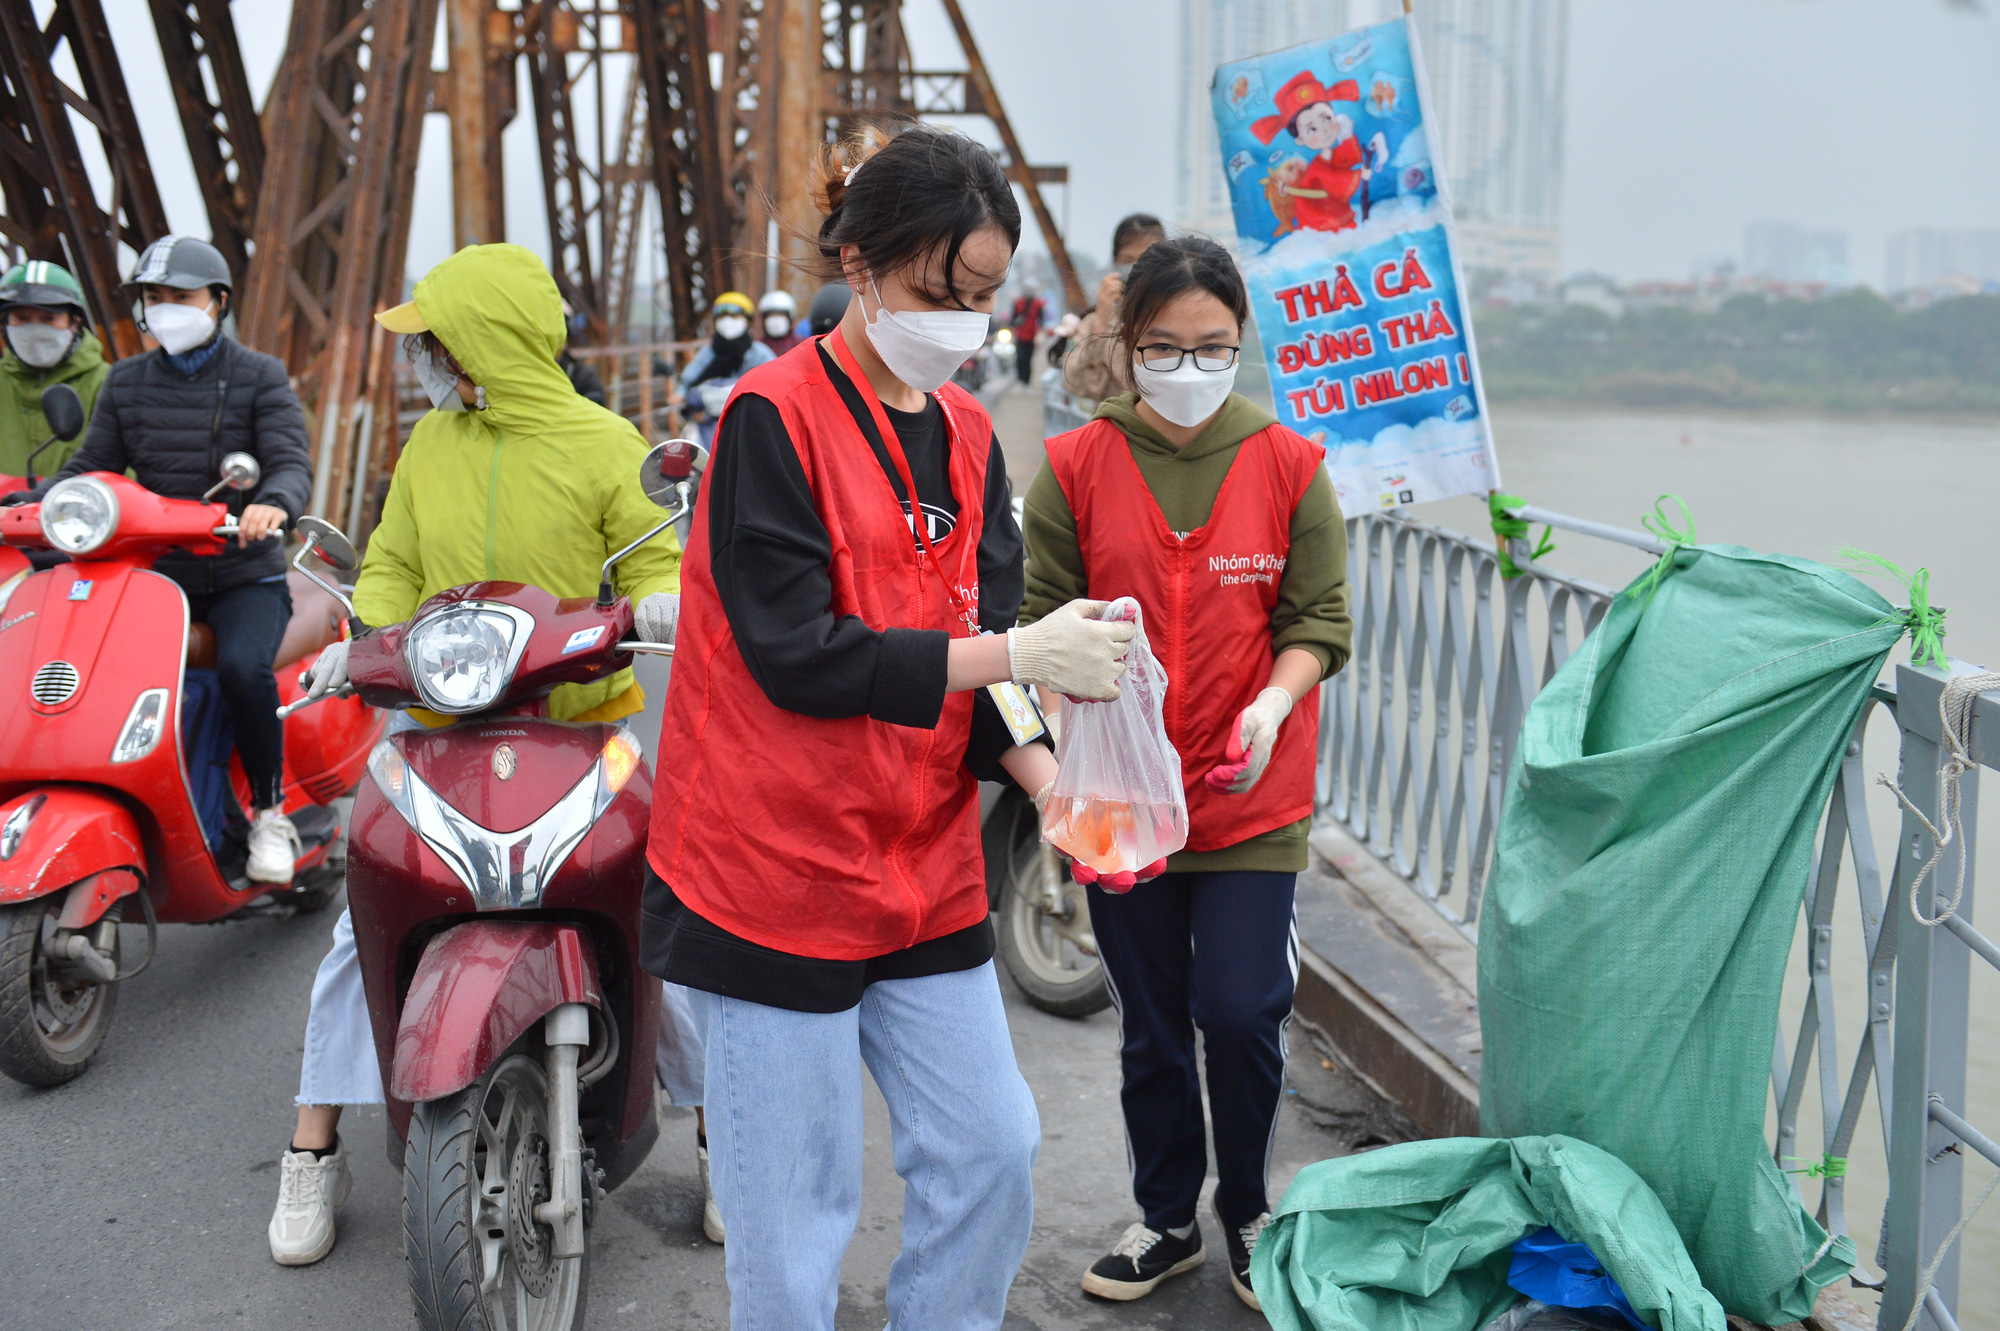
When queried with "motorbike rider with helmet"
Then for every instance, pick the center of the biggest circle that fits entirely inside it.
(777, 321)
(513, 476)
(169, 416)
(48, 341)
(730, 351)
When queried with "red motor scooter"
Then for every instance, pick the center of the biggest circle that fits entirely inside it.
(63, 410)
(115, 775)
(494, 873)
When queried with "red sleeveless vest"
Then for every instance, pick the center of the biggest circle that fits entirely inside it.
(840, 839)
(1208, 597)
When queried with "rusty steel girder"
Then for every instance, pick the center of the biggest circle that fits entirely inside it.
(672, 43)
(334, 225)
(225, 141)
(49, 195)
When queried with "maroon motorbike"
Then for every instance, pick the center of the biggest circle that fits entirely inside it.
(493, 871)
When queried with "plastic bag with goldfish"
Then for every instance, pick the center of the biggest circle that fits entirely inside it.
(1118, 804)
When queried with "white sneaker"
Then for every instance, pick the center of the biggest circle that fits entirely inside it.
(711, 1219)
(301, 1229)
(274, 847)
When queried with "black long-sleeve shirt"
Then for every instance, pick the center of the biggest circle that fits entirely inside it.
(771, 556)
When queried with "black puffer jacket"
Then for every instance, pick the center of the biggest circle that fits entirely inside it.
(172, 430)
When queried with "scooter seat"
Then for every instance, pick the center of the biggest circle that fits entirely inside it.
(200, 651)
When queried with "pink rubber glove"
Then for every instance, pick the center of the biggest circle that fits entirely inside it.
(1249, 749)
(1116, 883)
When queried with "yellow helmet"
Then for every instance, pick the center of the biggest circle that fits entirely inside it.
(735, 298)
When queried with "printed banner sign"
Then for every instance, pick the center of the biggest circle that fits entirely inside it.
(1346, 237)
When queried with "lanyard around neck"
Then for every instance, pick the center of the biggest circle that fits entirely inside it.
(893, 446)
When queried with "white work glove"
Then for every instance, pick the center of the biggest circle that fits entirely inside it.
(1072, 651)
(1249, 749)
(655, 618)
(329, 672)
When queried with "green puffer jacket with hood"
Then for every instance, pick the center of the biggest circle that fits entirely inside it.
(541, 487)
(22, 426)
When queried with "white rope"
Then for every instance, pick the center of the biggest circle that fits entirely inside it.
(1955, 702)
(1930, 1272)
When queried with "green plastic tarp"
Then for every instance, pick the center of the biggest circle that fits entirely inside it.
(1646, 885)
(1418, 1237)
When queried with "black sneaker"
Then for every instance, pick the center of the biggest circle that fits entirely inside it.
(1142, 1259)
(1240, 1241)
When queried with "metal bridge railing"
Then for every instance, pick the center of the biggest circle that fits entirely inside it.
(1912, 1050)
(1417, 736)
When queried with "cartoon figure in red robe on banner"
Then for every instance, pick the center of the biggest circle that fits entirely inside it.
(1318, 194)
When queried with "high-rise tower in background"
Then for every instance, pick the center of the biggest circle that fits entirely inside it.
(1496, 73)
(1213, 32)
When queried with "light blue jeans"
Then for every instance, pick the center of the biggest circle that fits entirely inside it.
(785, 1146)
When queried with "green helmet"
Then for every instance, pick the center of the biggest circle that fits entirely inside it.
(39, 282)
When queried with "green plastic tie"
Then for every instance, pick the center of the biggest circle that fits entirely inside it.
(1676, 538)
(1924, 621)
(1507, 527)
(1827, 1166)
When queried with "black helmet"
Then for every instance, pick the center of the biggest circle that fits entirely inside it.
(182, 262)
(829, 303)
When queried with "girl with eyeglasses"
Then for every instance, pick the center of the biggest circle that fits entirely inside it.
(1223, 524)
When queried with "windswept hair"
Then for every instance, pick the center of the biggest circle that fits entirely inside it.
(898, 197)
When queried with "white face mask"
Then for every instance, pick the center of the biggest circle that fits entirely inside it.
(180, 328)
(731, 326)
(440, 384)
(1187, 396)
(923, 347)
(777, 325)
(40, 345)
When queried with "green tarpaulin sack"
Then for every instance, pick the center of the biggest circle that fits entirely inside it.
(1418, 1237)
(1646, 883)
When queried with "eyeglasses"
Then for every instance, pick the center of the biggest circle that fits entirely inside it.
(1166, 358)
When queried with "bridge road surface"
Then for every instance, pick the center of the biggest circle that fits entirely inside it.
(136, 1196)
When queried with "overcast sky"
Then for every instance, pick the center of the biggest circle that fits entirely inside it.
(1688, 119)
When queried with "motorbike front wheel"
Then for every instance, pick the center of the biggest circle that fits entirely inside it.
(52, 1015)
(475, 1167)
(1045, 937)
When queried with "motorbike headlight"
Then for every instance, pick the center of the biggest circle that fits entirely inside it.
(462, 658)
(79, 514)
(143, 727)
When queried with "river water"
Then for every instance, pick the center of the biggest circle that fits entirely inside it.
(1919, 493)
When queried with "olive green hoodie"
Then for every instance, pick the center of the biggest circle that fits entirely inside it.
(22, 426)
(1312, 593)
(540, 487)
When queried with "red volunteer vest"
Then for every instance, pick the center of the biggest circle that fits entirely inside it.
(1207, 598)
(839, 839)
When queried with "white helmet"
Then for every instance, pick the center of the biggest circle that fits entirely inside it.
(779, 300)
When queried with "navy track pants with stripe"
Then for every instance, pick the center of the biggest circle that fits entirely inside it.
(1217, 951)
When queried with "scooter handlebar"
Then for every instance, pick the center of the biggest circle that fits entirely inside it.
(647, 648)
(343, 691)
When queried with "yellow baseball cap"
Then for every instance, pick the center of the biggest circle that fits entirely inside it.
(403, 319)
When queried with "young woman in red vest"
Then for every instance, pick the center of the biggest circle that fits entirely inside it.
(816, 878)
(1223, 524)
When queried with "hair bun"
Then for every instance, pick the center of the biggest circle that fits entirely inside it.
(836, 164)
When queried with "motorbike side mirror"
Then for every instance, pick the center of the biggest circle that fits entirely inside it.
(329, 543)
(240, 471)
(63, 410)
(665, 467)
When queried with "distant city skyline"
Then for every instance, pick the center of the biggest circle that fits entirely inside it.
(1927, 256)
(1791, 253)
